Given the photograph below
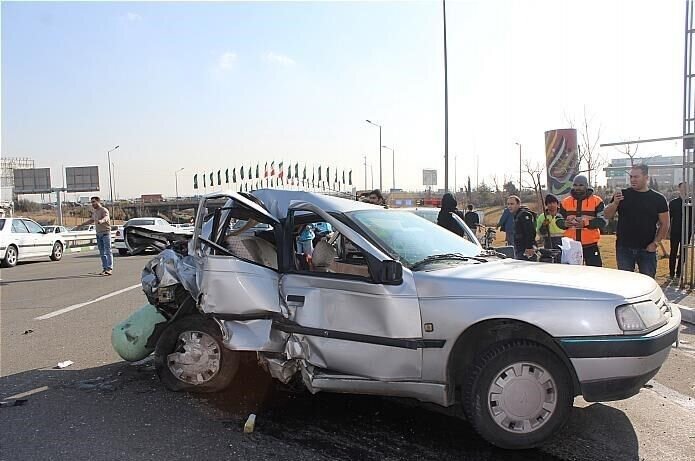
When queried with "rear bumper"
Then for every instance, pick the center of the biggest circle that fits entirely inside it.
(616, 367)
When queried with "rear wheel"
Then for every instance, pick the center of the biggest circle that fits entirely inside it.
(57, 252)
(517, 395)
(190, 356)
(10, 257)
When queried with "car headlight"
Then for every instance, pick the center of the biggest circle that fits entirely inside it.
(639, 317)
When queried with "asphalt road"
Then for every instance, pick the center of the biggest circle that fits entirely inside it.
(103, 408)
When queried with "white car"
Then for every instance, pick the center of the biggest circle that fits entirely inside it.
(152, 224)
(55, 229)
(23, 238)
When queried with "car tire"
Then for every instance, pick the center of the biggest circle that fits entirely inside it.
(190, 356)
(123, 252)
(11, 257)
(57, 253)
(517, 394)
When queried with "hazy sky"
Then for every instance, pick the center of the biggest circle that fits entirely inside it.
(208, 86)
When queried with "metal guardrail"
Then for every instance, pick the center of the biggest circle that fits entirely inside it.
(81, 238)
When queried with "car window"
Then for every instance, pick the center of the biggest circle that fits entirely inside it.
(2, 224)
(140, 222)
(408, 237)
(319, 249)
(33, 227)
(18, 227)
(432, 214)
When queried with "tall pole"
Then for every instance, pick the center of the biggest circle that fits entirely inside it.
(365, 172)
(520, 187)
(176, 180)
(393, 160)
(446, 109)
(381, 176)
(108, 156)
(115, 189)
(455, 171)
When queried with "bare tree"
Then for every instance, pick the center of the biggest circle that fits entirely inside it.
(535, 172)
(590, 160)
(628, 150)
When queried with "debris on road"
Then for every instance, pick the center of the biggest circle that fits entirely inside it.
(64, 364)
(250, 424)
(13, 403)
(26, 332)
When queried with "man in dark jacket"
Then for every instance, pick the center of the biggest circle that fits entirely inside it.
(472, 219)
(445, 219)
(675, 208)
(524, 229)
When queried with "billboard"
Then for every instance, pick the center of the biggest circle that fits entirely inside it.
(562, 159)
(82, 178)
(429, 177)
(32, 181)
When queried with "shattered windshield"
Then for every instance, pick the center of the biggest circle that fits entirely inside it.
(409, 237)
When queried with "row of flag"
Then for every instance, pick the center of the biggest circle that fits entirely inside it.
(275, 178)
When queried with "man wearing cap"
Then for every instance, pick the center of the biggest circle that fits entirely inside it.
(550, 225)
(584, 219)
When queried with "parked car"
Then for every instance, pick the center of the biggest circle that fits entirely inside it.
(24, 238)
(394, 305)
(152, 225)
(55, 229)
(85, 228)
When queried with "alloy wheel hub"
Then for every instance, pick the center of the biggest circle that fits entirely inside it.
(522, 397)
(197, 358)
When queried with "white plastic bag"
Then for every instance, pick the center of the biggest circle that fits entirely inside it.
(571, 252)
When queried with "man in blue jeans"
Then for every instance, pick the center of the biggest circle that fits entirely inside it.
(643, 222)
(102, 223)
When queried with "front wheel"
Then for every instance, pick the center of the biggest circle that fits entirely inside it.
(517, 395)
(190, 357)
(57, 252)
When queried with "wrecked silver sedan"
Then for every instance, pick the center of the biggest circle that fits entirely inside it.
(391, 304)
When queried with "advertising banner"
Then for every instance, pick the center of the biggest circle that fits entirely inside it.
(562, 159)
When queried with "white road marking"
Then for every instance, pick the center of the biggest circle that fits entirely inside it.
(77, 306)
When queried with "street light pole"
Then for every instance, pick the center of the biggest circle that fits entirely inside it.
(520, 187)
(108, 156)
(446, 108)
(365, 172)
(176, 180)
(393, 160)
(381, 175)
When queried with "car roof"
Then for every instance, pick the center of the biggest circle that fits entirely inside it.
(278, 201)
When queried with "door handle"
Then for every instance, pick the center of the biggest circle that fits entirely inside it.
(295, 299)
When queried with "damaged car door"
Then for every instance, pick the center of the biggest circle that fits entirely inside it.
(359, 314)
(237, 270)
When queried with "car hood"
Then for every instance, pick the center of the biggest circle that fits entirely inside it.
(521, 279)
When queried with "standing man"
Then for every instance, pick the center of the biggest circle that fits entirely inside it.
(506, 224)
(550, 225)
(377, 198)
(675, 208)
(584, 219)
(524, 229)
(643, 222)
(472, 219)
(102, 223)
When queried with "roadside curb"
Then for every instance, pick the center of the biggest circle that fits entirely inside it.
(79, 249)
(687, 313)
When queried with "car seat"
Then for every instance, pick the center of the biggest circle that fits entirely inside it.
(323, 257)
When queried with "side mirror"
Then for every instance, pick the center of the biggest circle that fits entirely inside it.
(391, 272)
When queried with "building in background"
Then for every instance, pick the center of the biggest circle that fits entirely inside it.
(665, 172)
(7, 167)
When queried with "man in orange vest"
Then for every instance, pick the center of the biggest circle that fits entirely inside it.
(584, 219)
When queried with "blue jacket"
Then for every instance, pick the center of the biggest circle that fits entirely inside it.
(506, 224)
